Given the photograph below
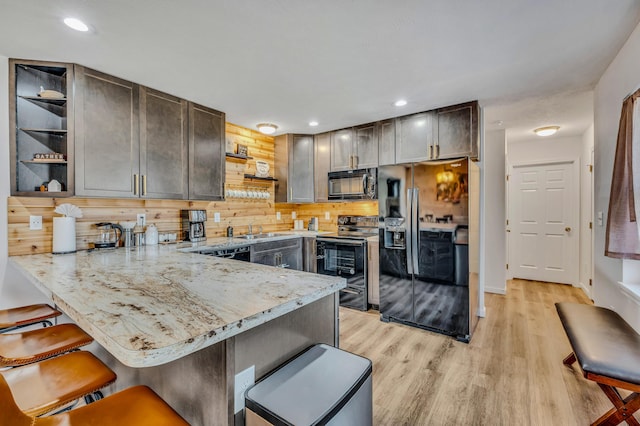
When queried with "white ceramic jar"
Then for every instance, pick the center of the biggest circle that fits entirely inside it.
(151, 235)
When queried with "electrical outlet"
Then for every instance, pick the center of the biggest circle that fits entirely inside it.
(293, 215)
(141, 219)
(278, 216)
(243, 381)
(327, 216)
(216, 217)
(35, 223)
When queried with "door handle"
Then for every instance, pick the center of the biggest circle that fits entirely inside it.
(409, 244)
(567, 229)
(508, 230)
(136, 184)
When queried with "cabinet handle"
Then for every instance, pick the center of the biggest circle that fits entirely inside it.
(438, 151)
(136, 184)
(290, 194)
(144, 184)
(430, 152)
(356, 160)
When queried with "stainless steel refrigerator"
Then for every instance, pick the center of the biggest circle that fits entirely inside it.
(429, 240)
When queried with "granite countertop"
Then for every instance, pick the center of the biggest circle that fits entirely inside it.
(154, 304)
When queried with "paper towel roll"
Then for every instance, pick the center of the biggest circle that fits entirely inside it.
(64, 235)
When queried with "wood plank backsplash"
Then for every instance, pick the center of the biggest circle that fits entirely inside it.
(165, 214)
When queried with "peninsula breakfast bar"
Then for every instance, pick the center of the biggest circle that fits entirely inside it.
(185, 323)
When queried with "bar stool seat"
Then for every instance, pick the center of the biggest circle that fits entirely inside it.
(22, 316)
(35, 345)
(138, 406)
(56, 382)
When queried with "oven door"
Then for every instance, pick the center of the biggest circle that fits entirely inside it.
(348, 259)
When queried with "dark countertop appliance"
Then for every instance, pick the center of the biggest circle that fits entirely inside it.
(425, 274)
(193, 225)
(353, 184)
(345, 254)
(110, 234)
(238, 253)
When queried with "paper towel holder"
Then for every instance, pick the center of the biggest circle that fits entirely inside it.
(64, 235)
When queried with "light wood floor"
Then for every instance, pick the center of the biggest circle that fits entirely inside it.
(510, 374)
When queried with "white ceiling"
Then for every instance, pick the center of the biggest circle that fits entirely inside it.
(341, 62)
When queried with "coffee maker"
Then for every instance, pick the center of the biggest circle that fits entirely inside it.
(193, 228)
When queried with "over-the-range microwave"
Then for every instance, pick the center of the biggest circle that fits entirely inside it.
(358, 184)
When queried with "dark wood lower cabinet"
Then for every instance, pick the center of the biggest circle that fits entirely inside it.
(284, 254)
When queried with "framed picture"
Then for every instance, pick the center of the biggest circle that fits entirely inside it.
(242, 150)
(229, 144)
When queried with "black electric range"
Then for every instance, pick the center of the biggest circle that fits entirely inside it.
(345, 254)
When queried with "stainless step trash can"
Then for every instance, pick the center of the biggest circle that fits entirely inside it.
(321, 386)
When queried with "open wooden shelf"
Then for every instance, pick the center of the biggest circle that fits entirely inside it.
(238, 156)
(269, 178)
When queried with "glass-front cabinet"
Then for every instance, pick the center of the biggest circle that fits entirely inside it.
(41, 128)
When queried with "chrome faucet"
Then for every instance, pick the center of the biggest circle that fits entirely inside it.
(250, 229)
(260, 229)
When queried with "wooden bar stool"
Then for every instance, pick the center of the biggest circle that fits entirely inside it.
(138, 406)
(13, 318)
(31, 346)
(55, 383)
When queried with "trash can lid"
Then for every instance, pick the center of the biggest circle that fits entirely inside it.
(309, 389)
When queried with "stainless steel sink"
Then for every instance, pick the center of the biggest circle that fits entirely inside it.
(259, 236)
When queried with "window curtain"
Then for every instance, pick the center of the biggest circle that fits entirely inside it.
(623, 233)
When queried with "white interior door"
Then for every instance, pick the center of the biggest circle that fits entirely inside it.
(544, 222)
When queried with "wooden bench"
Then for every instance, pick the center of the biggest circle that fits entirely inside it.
(608, 352)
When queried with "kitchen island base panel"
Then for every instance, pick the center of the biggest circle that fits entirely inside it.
(200, 386)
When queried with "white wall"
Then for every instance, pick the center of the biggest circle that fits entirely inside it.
(14, 289)
(494, 241)
(586, 213)
(543, 149)
(4, 167)
(620, 79)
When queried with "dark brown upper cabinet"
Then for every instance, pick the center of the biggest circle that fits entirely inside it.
(107, 135)
(133, 141)
(41, 122)
(414, 137)
(456, 131)
(354, 148)
(206, 153)
(294, 168)
(164, 145)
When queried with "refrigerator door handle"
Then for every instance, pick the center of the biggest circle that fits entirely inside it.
(415, 225)
(409, 249)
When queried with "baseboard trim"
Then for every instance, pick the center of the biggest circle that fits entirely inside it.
(496, 290)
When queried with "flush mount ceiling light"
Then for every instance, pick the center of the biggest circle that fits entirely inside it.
(267, 128)
(400, 103)
(546, 131)
(76, 24)
(313, 123)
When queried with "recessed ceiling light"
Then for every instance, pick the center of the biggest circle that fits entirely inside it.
(400, 103)
(313, 123)
(76, 24)
(546, 131)
(267, 128)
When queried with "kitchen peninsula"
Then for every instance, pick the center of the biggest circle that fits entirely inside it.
(184, 323)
